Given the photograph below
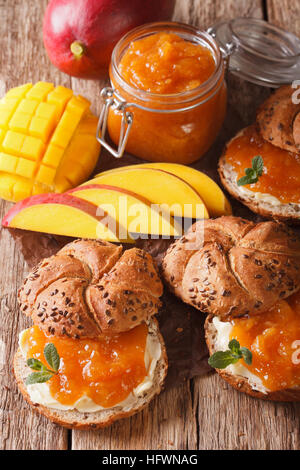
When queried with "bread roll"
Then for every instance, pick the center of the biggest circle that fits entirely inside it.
(244, 384)
(279, 119)
(237, 267)
(91, 287)
(93, 420)
(263, 204)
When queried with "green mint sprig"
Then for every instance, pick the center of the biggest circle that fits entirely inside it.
(44, 373)
(222, 359)
(252, 174)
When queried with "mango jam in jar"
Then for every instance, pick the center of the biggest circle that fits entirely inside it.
(170, 77)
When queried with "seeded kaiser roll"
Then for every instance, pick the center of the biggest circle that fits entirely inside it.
(91, 287)
(237, 267)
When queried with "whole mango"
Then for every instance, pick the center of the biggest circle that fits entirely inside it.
(79, 35)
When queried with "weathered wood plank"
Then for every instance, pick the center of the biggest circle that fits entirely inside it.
(285, 13)
(22, 60)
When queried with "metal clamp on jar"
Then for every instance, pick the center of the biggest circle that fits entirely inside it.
(181, 127)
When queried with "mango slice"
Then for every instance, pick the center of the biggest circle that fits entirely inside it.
(136, 214)
(63, 214)
(211, 194)
(47, 140)
(160, 187)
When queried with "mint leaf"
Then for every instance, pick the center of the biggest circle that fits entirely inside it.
(252, 174)
(44, 374)
(234, 346)
(258, 164)
(247, 355)
(35, 364)
(51, 356)
(38, 377)
(222, 359)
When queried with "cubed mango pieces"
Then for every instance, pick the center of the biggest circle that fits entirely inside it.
(37, 126)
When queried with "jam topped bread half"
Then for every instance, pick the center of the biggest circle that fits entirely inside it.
(246, 276)
(275, 140)
(95, 346)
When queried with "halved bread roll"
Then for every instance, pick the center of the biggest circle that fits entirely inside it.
(239, 378)
(93, 420)
(261, 203)
(93, 301)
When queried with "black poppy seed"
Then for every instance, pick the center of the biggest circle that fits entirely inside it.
(110, 322)
(109, 302)
(107, 312)
(134, 318)
(80, 327)
(72, 304)
(125, 311)
(258, 276)
(105, 295)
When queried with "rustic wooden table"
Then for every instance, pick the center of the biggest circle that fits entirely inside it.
(204, 413)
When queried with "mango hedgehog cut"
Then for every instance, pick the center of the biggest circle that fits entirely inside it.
(47, 140)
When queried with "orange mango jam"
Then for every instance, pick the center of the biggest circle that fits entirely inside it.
(274, 339)
(281, 176)
(169, 67)
(106, 369)
(165, 63)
